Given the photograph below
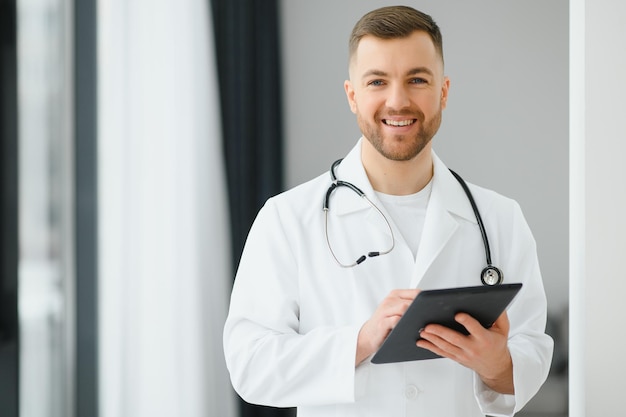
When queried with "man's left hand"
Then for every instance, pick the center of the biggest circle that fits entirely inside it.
(483, 350)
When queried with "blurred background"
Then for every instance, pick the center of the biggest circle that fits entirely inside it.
(139, 139)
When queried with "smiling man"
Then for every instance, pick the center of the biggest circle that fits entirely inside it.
(330, 266)
(398, 92)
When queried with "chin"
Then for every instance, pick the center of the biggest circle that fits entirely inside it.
(403, 152)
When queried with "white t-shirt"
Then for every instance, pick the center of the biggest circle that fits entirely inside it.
(408, 213)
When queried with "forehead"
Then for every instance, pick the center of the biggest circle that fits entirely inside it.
(415, 50)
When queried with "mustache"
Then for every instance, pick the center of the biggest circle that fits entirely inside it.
(410, 113)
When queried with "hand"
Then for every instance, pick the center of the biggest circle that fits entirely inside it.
(385, 318)
(483, 350)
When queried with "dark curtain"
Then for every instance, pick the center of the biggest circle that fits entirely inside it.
(247, 45)
(248, 59)
(9, 331)
(86, 205)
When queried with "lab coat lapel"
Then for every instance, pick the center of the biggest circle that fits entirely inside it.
(447, 203)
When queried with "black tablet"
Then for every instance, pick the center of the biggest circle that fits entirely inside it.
(484, 303)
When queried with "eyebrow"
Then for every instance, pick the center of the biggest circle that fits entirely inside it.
(413, 71)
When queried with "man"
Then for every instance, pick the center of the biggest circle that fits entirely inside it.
(305, 317)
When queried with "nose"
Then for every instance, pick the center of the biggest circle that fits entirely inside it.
(398, 97)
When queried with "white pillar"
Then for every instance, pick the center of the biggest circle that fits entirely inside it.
(597, 206)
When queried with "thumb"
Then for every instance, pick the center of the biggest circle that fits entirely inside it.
(502, 323)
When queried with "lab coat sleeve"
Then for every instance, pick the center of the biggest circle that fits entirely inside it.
(531, 349)
(269, 360)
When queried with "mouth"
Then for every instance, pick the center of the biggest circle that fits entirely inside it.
(399, 123)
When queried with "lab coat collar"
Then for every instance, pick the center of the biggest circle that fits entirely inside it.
(446, 193)
(447, 205)
(351, 170)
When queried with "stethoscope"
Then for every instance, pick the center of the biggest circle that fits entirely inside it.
(490, 275)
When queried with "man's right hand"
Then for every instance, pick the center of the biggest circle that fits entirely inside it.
(385, 318)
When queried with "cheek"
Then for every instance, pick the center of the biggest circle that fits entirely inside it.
(365, 106)
(431, 103)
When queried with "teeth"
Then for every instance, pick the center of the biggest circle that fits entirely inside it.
(398, 122)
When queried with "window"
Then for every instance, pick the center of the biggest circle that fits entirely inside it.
(45, 196)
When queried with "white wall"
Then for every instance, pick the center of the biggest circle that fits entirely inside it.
(598, 225)
(506, 125)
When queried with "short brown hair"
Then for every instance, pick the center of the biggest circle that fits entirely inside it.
(395, 22)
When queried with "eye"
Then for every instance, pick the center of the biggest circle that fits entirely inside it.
(376, 83)
(418, 81)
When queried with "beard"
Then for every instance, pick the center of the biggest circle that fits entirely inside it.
(400, 147)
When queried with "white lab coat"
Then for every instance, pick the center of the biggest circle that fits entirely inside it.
(290, 336)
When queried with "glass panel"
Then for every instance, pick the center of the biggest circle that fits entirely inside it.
(45, 209)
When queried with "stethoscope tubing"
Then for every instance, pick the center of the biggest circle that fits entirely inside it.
(479, 219)
(490, 275)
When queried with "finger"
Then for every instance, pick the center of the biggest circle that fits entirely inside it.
(395, 307)
(405, 294)
(437, 332)
(472, 325)
(425, 344)
(475, 328)
(439, 345)
(398, 301)
(503, 323)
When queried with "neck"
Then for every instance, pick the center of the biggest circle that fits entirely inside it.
(397, 177)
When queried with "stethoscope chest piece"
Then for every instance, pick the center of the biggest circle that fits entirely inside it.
(491, 275)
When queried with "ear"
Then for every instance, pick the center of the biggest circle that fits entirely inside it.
(350, 94)
(444, 92)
